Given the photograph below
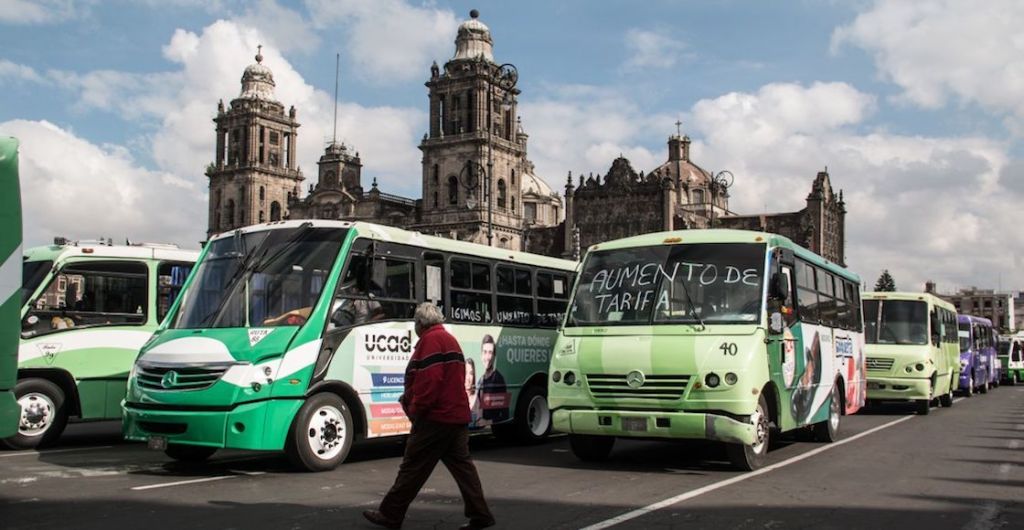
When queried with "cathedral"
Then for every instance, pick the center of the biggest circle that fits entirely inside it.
(477, 182)
(474, 132)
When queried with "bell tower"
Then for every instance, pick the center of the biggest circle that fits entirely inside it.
(473, 127)
(254, 172)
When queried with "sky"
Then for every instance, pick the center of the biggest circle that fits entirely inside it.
(914, 107)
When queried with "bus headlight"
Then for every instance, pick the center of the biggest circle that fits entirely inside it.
(556, 376)
(570, 378)
(919, 367)
(712, 380)
(731, 378)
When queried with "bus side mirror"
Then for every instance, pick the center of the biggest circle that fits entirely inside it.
(778, 288)
(775, 323)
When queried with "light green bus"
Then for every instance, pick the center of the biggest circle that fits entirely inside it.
(295, 335)
(10, 283)
(912, 348)
(86, 309)
(724, 335)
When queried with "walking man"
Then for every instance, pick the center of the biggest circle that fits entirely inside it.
(435, 400)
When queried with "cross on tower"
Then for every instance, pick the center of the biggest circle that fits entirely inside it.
(678, 128)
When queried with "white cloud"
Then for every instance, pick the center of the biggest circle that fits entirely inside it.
(583, 129)
(936, 50)
(284, 28)
(77, 189)
(37, 11)
(390, 41)
(915, 203)
(652, 50)
(20, 73)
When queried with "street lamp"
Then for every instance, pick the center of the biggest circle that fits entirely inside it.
(723, 179)
(505, 76)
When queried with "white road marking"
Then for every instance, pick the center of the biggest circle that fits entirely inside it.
(1013, 444)
(197, 480)
(728, 482)
(26, 453)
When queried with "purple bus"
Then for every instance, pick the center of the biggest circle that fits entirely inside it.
(978, 369)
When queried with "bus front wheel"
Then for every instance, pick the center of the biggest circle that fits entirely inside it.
(321, 434)
(750, 457)
(984, 387)
(43, 414)
(828, 431)
(591, 448)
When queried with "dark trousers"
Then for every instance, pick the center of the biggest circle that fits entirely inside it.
(427, 443)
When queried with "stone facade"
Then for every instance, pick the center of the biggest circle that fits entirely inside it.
(999, 307)
(254, 173)
(474, 129)
(820, 226)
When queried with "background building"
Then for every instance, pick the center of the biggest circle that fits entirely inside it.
(996, 306)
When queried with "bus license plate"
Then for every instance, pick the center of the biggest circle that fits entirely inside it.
(634, 424)
(158, 443)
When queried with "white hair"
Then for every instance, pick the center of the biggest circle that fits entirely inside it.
(427, 315)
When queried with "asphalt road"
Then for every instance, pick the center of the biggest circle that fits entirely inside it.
(958, 468)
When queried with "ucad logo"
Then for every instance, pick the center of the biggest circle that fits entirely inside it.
(387, 343)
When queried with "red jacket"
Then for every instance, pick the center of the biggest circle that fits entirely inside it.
(435, 379)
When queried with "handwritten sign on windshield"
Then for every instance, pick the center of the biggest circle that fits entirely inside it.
(633, 286)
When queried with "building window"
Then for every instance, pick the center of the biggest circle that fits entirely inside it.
(275, 211)
(263, 194)
(229, 213)
(436, 178)
(530, 211)
(698, 196)
(501, 193)
(275, 138)
(453, 190)
(513, 179)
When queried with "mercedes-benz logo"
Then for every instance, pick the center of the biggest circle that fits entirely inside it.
(635, 379)
(169, 380)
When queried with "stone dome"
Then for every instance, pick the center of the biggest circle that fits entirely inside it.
(535, 185)
(258, 80)
(474, 39)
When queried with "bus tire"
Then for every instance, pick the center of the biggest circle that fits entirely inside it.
(189, 453)
(983, 389)
(321, 434)
(923, 406)
(1013, 379)
(969, 391)
(590, 448)
(946, 400)
(43, 414)
(750, 457)
(828, 431)
(532, 421)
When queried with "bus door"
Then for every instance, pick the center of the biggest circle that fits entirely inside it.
(783, 330)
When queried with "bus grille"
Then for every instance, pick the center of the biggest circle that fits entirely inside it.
(879, 364)
(654, 387)
(183, 378)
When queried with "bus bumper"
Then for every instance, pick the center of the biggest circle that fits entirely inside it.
(646, 424)
(262, 425)
(899, 388)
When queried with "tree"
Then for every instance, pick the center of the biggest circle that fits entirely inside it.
(885, 282)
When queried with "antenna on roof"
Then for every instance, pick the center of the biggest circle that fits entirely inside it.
(337, 69)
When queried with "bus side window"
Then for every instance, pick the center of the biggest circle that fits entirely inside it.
(515, 295)
(92, 294)
(433, 269)
(469, 291)
(171, 277)
(790, 316)
(552, 298)
(826, 300)
(806, 294)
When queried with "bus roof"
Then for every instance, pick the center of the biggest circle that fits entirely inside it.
(906, 295)
(722, 235)
(977, 320)
(399, 235)
(96, 250)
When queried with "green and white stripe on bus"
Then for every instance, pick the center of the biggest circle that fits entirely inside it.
(85, 311)
(10, 283)
(723, 335)
(295, 335)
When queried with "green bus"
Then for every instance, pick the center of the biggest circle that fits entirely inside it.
(1011, 358)
(912, 348)
(86, 309)
(10, 283)
(295, 335)
(723, 335)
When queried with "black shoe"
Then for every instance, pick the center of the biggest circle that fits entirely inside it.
(476, 525)
(380, 519)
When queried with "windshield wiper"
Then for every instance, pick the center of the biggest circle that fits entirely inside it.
(691, 307)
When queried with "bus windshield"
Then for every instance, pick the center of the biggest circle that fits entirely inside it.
(32, 274)
(895, 322)
(690, 283)
(264, 278)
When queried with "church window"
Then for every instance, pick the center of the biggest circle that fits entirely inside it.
(275, 138)
(453, 190)
(262, 137)
(698, 196)
(263, 194)
(456, 115)
(513, 203)
(442, 115)
(530, 211)
(501, 193)
(513, 179)
(436, 205)
(275, 211)
(287, 148)
(229, 213)
(436, 178)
